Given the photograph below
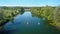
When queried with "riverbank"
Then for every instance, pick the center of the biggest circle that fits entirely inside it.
(49, 12)
(8, 13)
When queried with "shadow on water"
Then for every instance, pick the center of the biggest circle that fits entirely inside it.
(48, 28)
(3, 30)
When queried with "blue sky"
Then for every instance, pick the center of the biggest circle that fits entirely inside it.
(29, 2)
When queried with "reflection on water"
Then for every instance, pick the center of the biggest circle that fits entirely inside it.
(26, 24)
(38, 23)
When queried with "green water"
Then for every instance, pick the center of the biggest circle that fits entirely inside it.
(27, 24)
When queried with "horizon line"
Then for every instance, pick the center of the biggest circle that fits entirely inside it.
(29, 5)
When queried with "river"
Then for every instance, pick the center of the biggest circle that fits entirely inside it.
(27, 24)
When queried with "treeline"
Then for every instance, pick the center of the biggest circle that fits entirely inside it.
(51, 13)
(8, 13)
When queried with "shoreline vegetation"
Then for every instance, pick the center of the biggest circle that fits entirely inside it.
(8, 14)
(51, 14)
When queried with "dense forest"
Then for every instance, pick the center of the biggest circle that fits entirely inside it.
(8, 13)
(52, 14)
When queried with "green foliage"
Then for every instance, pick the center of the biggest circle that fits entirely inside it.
(51, 13)
(8, 13)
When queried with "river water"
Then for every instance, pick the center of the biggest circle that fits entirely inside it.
(27, 24)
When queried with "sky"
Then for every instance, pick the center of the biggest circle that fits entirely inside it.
(29, 2)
